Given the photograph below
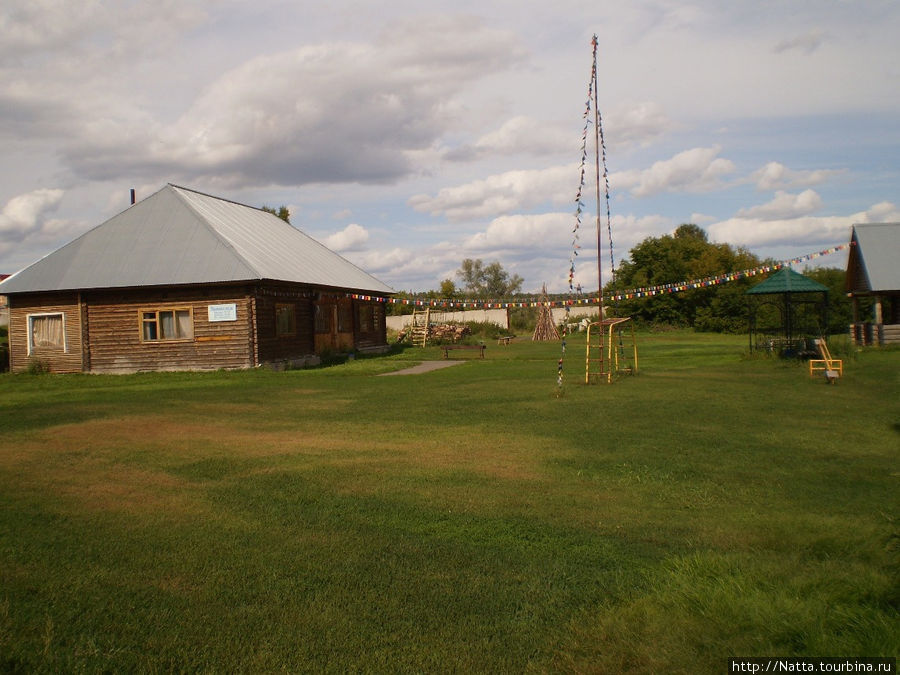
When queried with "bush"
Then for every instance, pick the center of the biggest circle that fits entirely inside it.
(38, 367)
(485, 330)
(522, 319)
(707, 321)
(4, 357)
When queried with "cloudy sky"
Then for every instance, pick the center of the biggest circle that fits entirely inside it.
(410, 135)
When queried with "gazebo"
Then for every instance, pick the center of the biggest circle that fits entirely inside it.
(787, 311)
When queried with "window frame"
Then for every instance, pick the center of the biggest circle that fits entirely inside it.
(324, 319)
(345, 318)
(282, 307)
(366, 318)
(143, 321)
(44, 315)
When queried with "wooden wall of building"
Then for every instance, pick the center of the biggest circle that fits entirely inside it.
(370, 325)
(114, 323)
(280, 345)
(66, 358)
(271, 322)
(334, 324)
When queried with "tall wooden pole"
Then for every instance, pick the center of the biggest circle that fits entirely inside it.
(597, 177)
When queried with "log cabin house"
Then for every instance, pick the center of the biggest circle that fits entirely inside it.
(186, 281)
(873, 273)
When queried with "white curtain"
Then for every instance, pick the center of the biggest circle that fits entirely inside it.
(167, 326)
(185, 326)
(47, 331)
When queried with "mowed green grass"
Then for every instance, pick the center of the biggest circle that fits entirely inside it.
(468, 519)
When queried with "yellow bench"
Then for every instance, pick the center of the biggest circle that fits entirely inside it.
(833, 368)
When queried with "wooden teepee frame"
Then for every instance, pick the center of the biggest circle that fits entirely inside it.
(545, 328)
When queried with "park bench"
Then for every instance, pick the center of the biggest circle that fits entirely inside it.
(446, 349)
(504, 339)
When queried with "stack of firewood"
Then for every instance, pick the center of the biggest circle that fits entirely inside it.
(448, 332)
(440, 332)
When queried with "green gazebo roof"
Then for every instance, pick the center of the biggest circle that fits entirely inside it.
(787, 280)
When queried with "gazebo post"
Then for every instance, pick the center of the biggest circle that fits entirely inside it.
(788, 319)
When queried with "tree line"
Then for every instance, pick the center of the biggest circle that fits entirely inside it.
(688, 254)
(683, 255)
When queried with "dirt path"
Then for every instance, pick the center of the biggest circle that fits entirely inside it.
(424, 367)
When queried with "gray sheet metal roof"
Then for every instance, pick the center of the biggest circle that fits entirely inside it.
(179, 236)
(874, 262)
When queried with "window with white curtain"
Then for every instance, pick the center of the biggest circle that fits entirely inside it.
(46, 331)
(166, 324)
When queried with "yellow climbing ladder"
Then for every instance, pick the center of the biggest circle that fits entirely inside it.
(419, 327)
(596, 357)
(833, 368)
(603, 357)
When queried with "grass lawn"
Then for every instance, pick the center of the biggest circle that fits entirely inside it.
(467, 519)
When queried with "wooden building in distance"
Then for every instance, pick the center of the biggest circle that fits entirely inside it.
(187, 281)
(873, 272)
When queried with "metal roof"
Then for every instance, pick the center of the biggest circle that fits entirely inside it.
(874, 262)
(179, 236)
(787, 280)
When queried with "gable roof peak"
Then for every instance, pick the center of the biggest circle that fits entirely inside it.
(180, 236)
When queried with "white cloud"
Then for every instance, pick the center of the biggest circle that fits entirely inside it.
(28, 230)
(546, 230)
(329, 112)
(805, 230)
(502, 193)
(882, 212)
(695, 170)
(776, 176)
(407, 269)
(635, 124)
(518, 135)
(784, 205)
(351, 238)
(282, 103)
(93, 27)
(626, 125)
(360, 109)
(383, 260)
(27, 213)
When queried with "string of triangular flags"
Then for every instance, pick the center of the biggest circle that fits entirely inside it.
(579, 207)
(643, 292)
(579, 204)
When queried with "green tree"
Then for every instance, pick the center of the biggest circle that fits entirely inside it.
(840, 309)
(488, 281)
(685, 255)
(448, 289)
(282, 212)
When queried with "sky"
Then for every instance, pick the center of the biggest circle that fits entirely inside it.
(411, 135)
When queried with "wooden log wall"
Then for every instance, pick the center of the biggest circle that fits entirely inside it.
(104, 329)
(114, 323)
(63, 359)
(273, 347)
(370, 326)
(335, 313)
